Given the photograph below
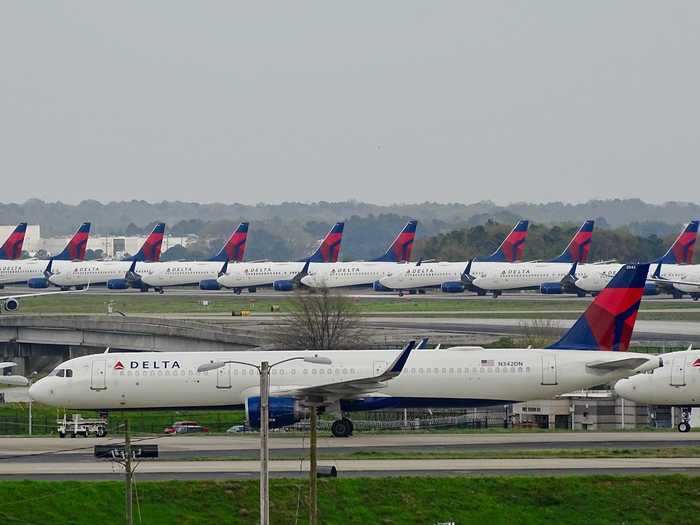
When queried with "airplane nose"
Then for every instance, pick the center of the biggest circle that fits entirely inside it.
(39, 391)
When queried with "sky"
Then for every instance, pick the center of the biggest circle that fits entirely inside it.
(385, 102)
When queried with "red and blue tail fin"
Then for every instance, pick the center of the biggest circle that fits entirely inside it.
(512, 248)
(12, 247)
(400, 249)
(234, 249)
(330, 246)
(683, 248)
(77, 246)
(608, 322)
(150, 251)
(578, 249)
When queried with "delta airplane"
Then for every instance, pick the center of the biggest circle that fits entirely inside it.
(478, 274)
(12, 247)
(676, 384)
(282, 276)
(116, 274)
(158, 275)
(363, 273)
(32, 271)
(592, 352)
(673, 273)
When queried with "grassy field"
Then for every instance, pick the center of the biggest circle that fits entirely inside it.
(132, 303)
(503, 500)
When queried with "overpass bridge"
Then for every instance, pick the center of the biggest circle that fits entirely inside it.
(40, 341)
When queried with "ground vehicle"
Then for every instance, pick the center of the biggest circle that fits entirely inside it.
(185, 427)
(236, 428)
(77, 426)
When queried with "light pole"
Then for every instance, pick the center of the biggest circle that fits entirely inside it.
(264, 370)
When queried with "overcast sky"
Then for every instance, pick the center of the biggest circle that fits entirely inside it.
(378, 101)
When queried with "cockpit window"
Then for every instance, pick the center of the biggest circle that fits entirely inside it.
(61, 373)
(69, 372)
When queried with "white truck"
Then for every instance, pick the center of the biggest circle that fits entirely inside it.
(77, 426)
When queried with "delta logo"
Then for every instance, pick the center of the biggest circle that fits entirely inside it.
(148, 365)
(696, 363)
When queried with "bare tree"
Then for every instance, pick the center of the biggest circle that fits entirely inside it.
(539, 333)
(320, 320)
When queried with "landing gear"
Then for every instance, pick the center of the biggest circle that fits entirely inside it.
(481, 293)
(581, 294)
(342, 428)
(684, 425)
(159, 290)
(252, 290)
(237, 291)
(421, 292)
(496, 294)
(676, 294)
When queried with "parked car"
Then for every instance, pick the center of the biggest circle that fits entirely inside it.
(185, 427)
(237, 428)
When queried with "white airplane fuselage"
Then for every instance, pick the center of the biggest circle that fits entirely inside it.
(425, 275)
(430, 378)
(244, 275)
(595, 277)
(677, 383)
(21, 271)
(343, 274)
(91, 272)
(161, 274)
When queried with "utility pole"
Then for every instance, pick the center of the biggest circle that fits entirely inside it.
(313, 504)
(264, 447)
(129, 474)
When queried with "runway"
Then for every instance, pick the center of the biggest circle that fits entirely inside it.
(147, 469)
(33, 450)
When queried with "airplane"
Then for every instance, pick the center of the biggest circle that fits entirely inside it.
(31, 271)
(488, 274)
(12, 247)
(675, 384)
(116, 274)
(282, 276)
(593, 352)
(363, 273)
(11, 303)
(670, 273)
(158, 275)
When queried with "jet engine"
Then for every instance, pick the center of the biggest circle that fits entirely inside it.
(283, 285)
(117, 284)
(209, 284)
(283, 411)
(38, 282)
(452, 287)
(10, 304)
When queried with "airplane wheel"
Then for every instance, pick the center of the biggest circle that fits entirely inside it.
(421, 292)
(581, 294)
(341, 428)
(400, 294)
(481, 293)
(684, 426)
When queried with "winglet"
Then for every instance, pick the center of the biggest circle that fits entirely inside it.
(397, 366)
(302, 273)
(422, 344)
(467, 277)
(224, 268)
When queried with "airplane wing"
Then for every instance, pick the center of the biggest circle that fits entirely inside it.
(663, 280)
(625, 363)
(12, 380)
(352, 388)
(37, 294)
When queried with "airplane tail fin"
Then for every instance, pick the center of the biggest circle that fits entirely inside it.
(579, 247)
(329, 249)
(683, 248)
(608, 322)
(12, 248)
(76, 247)
(234, 249)
(150, 251)
(512, 248)
(400, 249)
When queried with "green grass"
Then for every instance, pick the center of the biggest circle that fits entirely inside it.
(132, 303)
(495, 500)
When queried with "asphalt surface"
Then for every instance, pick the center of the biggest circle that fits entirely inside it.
(54, 458)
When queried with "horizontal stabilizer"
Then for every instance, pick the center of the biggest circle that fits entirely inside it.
(14, 380)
